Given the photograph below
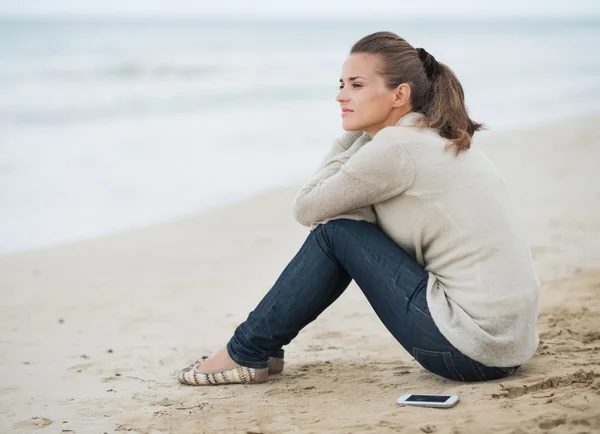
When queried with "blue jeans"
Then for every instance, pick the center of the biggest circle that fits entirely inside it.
(393, 283)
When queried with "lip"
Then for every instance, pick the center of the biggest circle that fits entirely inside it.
(346, 111)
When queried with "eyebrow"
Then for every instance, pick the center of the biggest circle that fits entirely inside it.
(354, 78)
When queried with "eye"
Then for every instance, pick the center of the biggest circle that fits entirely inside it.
(354, 85)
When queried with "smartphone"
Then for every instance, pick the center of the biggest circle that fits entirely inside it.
(439, 401)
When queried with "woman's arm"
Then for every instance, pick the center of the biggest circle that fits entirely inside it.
(334, 160)
(342, 144)
(351, 180)
(341, 150)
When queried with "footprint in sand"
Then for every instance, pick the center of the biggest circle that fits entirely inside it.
(580, 380)
(330, 335)
(33, 423)
(552, 423)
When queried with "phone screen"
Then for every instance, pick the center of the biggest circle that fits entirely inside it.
(427, 398)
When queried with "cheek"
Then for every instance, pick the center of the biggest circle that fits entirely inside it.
(371, 108)
(370, 97)
(374, 105)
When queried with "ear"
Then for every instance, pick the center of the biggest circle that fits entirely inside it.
(402, 95)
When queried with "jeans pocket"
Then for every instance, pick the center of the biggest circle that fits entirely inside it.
(438, 362)
(489, 373)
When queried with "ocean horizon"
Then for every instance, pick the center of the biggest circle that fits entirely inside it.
(109, 124)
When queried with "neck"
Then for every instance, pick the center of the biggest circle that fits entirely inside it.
(395, 115)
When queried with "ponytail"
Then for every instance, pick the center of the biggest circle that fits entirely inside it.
(445, 108)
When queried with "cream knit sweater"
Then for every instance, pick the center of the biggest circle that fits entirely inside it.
(455, 216)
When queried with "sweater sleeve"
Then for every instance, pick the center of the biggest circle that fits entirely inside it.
(341, 145)
(353, 179)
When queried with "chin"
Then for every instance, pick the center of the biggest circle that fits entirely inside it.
(351, 126)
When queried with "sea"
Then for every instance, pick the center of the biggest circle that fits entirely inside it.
(109, 124)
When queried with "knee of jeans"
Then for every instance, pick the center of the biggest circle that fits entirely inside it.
(329, 227)
(347, 224)
(332, 224)
(333, 228)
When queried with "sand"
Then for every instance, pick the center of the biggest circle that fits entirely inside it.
(92, 332)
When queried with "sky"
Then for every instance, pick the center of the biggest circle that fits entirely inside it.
(306, 8)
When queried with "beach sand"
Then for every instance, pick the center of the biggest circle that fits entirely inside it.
(92, 332)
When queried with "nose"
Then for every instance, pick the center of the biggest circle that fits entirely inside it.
(341, 96)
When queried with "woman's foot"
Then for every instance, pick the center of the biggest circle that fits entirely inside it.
(220, 369)
(221, 360)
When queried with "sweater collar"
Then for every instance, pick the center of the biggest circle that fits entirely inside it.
(410, 119)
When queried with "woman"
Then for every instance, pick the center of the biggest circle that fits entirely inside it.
(423, 224)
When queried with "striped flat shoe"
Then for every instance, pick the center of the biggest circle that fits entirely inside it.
(275, 364)
(194, 376)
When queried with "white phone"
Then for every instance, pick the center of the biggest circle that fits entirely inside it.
(439, 401)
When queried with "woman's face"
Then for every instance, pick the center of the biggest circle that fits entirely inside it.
(365, 101)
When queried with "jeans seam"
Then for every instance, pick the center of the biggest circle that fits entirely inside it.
(445, 355)
(453, 368)
(478, 370)
(409, 302)
(379, 265)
